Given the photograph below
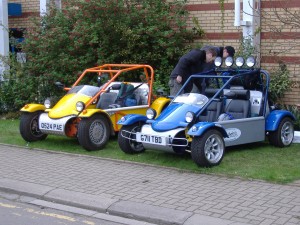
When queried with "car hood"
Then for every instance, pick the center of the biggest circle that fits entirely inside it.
(66, 106)
(173, 117)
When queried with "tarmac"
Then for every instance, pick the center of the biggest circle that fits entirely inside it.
(137, 194)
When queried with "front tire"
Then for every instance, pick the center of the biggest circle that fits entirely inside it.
(208, 150)
(29, 127)
(284, 135)
(93, 133)
(127, 145)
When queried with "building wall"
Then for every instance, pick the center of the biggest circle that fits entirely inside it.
(283, 47)
(275, 47)
(30, 8)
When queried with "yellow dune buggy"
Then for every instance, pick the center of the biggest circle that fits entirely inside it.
(91, 108)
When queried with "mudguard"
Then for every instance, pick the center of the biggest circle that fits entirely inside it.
(131, 119)
(200, 128)
(159, 104)
(275, 117)
(91, 112)
(33, 108)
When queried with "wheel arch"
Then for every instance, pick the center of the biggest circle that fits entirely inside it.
(30, 108)
(200, 128)
(160, 104)
(99, 112)
(275, 117)
(131, 119)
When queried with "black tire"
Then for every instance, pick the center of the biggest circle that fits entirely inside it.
(93, 132)
(127, 145)
(29, 127)
(284, 135)
(208, 150)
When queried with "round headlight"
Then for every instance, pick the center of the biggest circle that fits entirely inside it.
(250, 62)
(239, 61)
(47, 103)
(80, 106)
(150, 113)
(218, 61)
(229, 61)
(189, 116)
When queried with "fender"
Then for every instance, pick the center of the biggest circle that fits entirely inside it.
(33, 108)
(131, 119)
(275, 117)
(200, 128)
(91, 112)
(159, 104)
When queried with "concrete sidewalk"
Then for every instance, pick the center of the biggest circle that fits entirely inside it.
(146, 193)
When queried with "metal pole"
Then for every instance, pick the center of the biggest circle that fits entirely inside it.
(43, 7)
(4, 37)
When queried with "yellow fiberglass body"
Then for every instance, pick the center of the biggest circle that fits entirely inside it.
(93, 105)
(67, 105)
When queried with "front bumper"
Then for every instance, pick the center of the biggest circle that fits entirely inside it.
(53, 126)
(172, 139)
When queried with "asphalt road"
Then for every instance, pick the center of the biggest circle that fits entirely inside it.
(21, 213)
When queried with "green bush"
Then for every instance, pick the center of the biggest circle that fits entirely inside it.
(90, 33)
(280, 83)
(295, 110)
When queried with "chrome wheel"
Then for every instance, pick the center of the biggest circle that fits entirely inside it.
(214, 148)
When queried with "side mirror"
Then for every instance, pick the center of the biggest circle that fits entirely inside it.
(161, 92)
(59, 85)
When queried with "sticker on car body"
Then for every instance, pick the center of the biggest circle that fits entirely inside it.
(233, 134)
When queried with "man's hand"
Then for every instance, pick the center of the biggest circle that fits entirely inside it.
(179, 79)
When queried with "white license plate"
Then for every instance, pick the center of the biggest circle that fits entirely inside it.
(51, 126)
(152, 139)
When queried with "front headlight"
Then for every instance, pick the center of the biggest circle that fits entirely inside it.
(150, 113)
(189, 116)
(229, 61)
(250, 61)
(80, 106)
(47, 103)
(218, 61)
(239, 61)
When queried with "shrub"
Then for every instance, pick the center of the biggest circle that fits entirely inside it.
(279, 83)
(295, 110)
(89, 33)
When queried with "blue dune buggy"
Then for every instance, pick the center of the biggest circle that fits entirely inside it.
(233, 110)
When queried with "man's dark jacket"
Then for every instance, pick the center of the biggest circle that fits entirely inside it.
(191, 63)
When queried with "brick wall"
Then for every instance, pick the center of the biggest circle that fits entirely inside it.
(274, 48)
(281, 47)
(30, 8)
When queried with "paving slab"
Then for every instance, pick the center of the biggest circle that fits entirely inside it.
(77, 199)
(153, 193)
(25, 188)
(155, 214)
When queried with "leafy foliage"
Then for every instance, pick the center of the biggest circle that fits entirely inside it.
(295, 110)
(279, 84)
(89, 33)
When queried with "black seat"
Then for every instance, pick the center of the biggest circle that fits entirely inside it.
(238, 106)
(214, 109)
(106, 99)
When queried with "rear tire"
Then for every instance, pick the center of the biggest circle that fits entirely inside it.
(94, 132)
(29, 127)
(208, 150)
(127, 145)
(284, 135)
